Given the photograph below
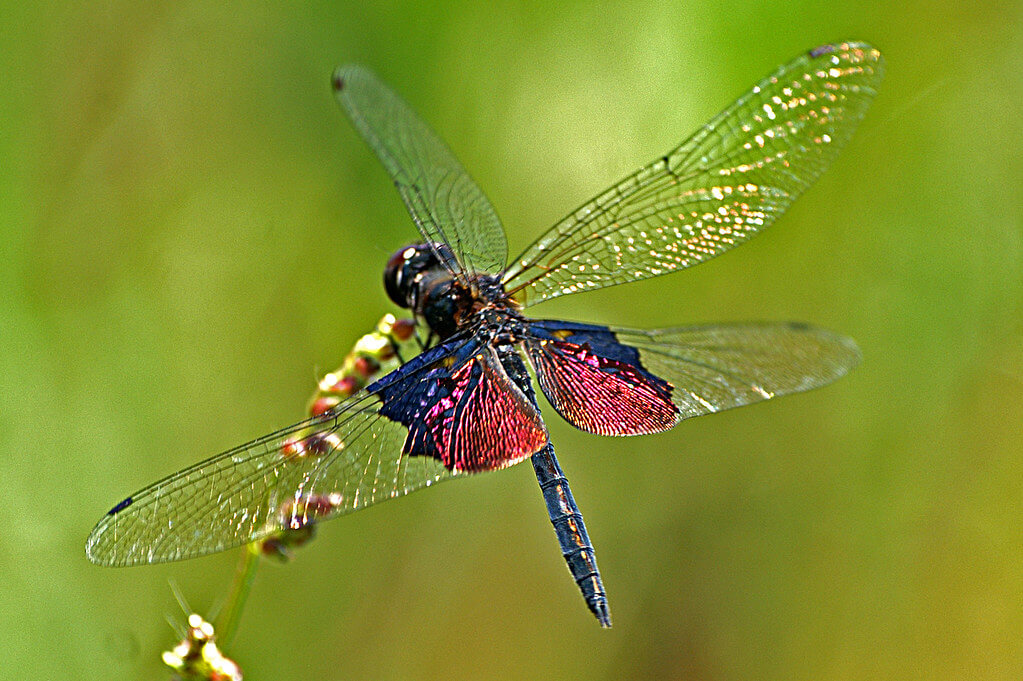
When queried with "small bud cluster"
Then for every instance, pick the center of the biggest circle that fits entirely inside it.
(197, 658)
(298, 525)
(360, 367)
(362, 364)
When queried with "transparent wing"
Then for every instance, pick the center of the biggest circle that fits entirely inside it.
(713, 368)
(729, 181)
(445, 203)
(349, 460)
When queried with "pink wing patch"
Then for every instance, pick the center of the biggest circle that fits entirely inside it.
(480, 422)
(599, 394)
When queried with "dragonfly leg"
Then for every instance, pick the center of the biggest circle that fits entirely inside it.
(424, 344)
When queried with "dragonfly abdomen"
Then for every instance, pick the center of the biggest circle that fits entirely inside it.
(571, 532)
(561, 507)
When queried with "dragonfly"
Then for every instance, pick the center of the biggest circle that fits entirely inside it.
(466, 403)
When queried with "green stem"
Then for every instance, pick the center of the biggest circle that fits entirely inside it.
(243, 579)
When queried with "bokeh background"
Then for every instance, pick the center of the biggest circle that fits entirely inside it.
(190, 233)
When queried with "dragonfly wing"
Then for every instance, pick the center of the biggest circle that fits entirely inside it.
(466, 417)
(445, 203)
(244, 494)
(718, 367)
(721, 187)
(466, 412)
(595, 382)
(699, 370)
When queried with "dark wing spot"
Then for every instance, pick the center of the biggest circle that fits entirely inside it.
(823, 49)
(667, 166)
(121, 506)
(337, 81)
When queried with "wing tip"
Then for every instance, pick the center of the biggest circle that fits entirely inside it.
(844, 46)
(96, 557)
(93, 551)
(339, 79)
(852, 356)
(857, 51)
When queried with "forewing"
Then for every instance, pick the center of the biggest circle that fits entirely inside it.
(713, 368)
(725, 184)
(445, 203)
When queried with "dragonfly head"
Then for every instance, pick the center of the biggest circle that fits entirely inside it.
(407, 267)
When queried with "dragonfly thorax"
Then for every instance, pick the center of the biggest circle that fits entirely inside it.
(442, 302)
(419, 277)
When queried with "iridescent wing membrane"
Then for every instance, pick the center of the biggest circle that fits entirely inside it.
(718, 189)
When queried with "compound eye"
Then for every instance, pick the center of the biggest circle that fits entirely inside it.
(405, 266)
(398, 275)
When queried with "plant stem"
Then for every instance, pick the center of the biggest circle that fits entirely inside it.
(243, 580)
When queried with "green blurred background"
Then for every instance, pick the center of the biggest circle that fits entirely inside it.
(191, 232)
